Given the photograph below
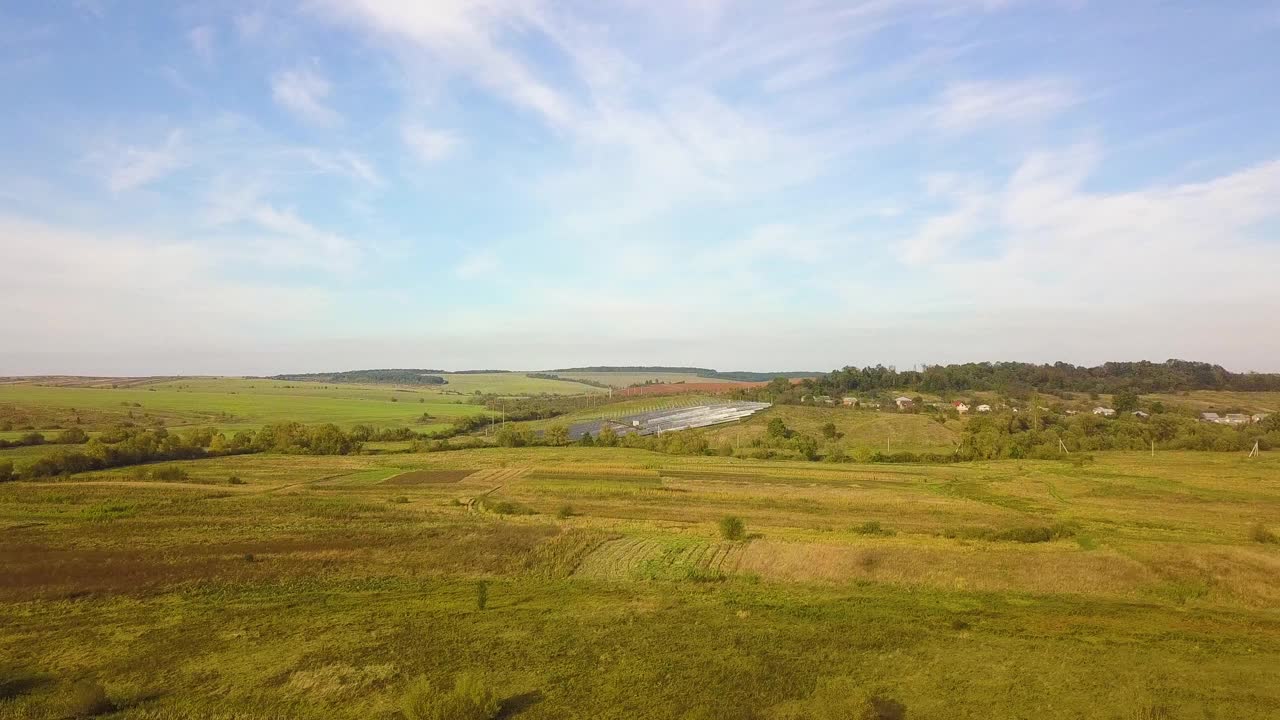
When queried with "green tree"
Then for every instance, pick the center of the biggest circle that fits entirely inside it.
(777, 429)
(557, 435)
(829, 431)
(608, 436)
(1125, 400)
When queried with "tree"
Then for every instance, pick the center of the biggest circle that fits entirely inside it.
(1125, 400)
(6, 470)
(829, 431)
(608, 436)
(557, 435)
(777, 428)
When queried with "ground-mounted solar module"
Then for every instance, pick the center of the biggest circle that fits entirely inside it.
(670, 420)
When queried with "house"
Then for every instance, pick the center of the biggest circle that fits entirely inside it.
(984, 408)
(960, 407)
(1210, 417)
(1261, 416)
(1236, 419)
(1140, 414)
(1073, 412)
(849, 401)
(903, 403)
(1104, 411)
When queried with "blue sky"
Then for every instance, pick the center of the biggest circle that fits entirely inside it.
(325, 184)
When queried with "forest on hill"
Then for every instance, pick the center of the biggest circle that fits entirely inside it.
(1016, 377)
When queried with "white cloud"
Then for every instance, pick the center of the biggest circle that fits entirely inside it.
(428, 144)
(67, 295)
(344, 163)
(303, 91)
(1053, 243)
(128, 167)
(294, 241)
(970, 105)
(202, 39)
(477, 264)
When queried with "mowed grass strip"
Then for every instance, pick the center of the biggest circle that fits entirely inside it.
(428, 477)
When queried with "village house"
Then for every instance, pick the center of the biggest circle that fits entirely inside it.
(1261, 416)
(849, 401)
(903, 403)
(1210, 417)
(960, 407)
(1104, 411)
(984, 408)
(1236, 419)
(1140, 414)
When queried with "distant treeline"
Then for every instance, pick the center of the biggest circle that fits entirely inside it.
(553, 376)
(740, 375)
(390, 376)
(1014, 378)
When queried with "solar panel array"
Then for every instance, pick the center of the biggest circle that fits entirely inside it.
(672, 419)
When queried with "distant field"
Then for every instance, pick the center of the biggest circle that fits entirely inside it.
(704, 387)
(514, 383)
(1206, 400)
(318, 589)
(626, 379)
(233, 403)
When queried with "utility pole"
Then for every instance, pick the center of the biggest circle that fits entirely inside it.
(1254, 452)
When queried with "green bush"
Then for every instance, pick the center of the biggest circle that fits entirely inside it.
(872, 527)
(732, 528)
(170, 474)
(87, 699)
(234, 480)
(6, 470)
(74, 436)
(1257, 533)
(469, 699)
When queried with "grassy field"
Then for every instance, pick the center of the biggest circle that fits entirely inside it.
(321, 587)
(858, 428)
(626, 379)
(230, 403)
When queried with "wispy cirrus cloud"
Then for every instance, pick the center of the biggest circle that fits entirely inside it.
(970, 105)
(429, 144)
(303, 91)
(129, 167)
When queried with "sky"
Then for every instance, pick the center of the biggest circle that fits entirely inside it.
(262, 187)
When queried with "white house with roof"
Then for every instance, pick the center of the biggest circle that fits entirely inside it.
(1259, 417)
(960, 407)
(1210, 417)
(1104, 411)
(903, 402)
(1236, 419)
(984, 408)
(1139, 414)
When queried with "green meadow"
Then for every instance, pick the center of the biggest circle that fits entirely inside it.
(609, 582)
(595, 583)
